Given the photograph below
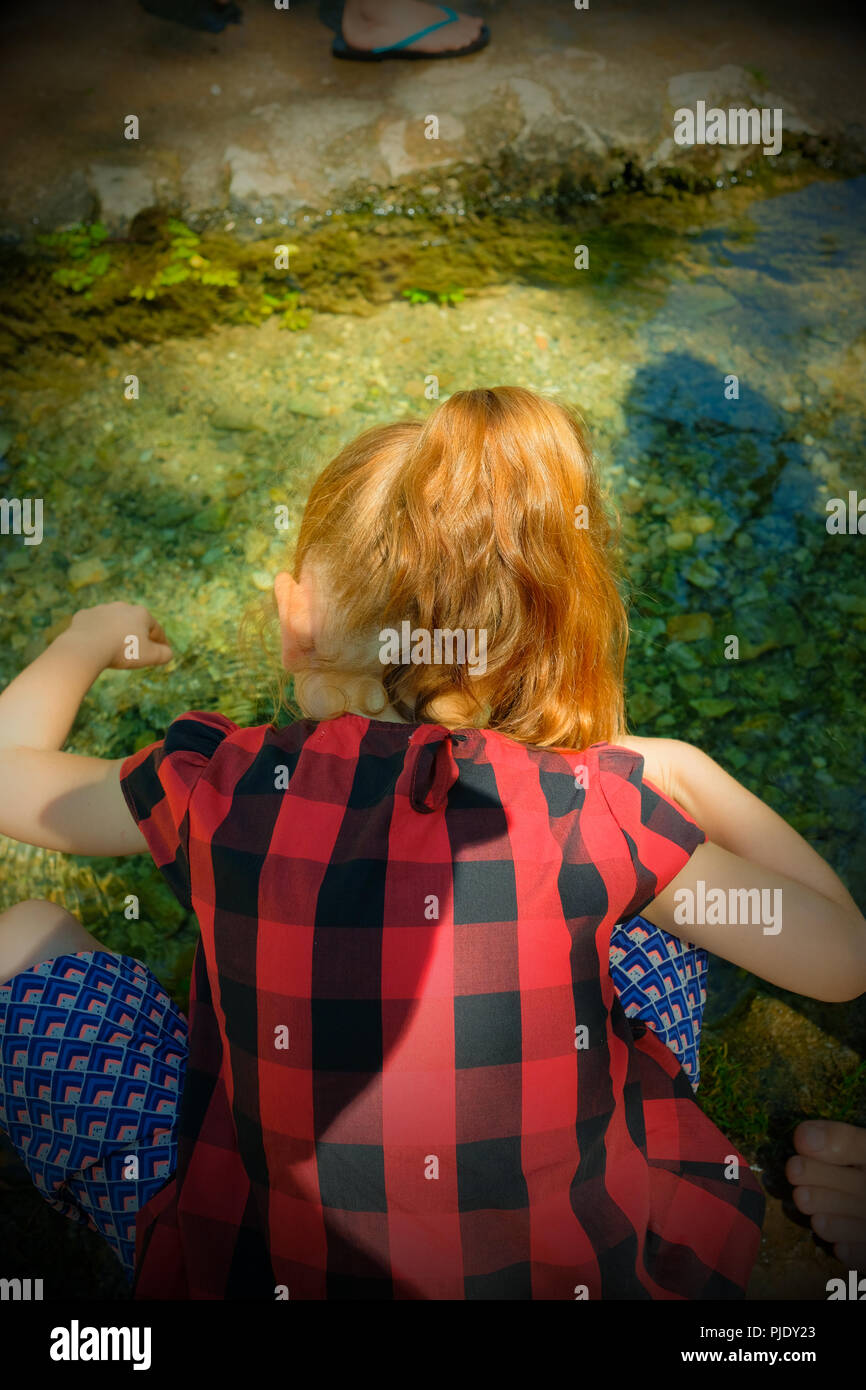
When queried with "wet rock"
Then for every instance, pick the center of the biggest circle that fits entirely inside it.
(703, 300)
(702, 575)
(690, 627)
(712, 707)
(807, 656)
(122, 190)
(230, 418)
(717, 87)
(767, 631)
(642, 707)
(314, 405)
(212, 518)
(85, 572)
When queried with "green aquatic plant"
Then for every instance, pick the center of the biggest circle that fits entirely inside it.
(183, 261)
(286, 306)
(734, 1107)
(454, 295)
(78, 243)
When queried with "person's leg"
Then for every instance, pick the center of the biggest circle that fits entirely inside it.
(369, 24)
(92, 1060)
(37, 930)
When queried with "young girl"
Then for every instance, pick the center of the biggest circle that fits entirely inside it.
(410, 1074)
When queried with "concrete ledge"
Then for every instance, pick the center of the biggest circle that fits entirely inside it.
(262, 122)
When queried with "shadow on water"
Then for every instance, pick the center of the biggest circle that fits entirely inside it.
(776, 298)
(771, 574)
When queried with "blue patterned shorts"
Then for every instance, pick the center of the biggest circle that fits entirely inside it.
(662, 982)
(92, 1059)
(93, 1054)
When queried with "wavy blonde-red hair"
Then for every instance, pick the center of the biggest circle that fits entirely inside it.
(487, 515)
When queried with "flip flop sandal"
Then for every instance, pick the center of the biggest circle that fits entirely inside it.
(195, 14)
(340, 49)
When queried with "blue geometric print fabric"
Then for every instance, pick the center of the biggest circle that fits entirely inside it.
(93, 1053)
(662, 982)
(92, 1060)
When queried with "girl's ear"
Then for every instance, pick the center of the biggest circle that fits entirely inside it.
(294, 608)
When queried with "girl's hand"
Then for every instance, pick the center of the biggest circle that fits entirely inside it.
(828, 1174)
(121, 635)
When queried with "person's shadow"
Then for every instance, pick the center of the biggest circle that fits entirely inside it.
(680, 423)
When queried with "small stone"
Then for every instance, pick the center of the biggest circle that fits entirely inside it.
(236, 484)
(632, 502)
(807, 656)
(679, 540)
(84, 572)
(309, 403)
(702, 575)
(712, 706)
(229, 419)
(643, 706)
(690, 627)
(212, 518)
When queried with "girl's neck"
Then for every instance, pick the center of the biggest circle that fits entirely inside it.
(389, 714)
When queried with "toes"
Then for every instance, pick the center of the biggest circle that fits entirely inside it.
(832, 1140)
(839, 1229)
(810, 1173)
(851, 1253)
(829, 1202)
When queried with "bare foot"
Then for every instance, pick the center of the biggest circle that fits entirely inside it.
(369, 24)
(828, 1174)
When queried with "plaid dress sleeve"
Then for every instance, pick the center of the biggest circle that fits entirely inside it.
(158, 782)
(659, 835)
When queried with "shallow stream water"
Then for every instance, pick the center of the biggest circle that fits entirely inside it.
(169, 500)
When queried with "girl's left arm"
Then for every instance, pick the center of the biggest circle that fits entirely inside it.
(59, 800)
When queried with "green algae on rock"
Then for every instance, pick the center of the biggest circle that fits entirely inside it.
(166, 280)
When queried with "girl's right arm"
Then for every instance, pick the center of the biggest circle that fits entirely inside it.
(820, 947)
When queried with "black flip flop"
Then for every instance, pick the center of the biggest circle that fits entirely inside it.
(340, 49)
(195, 14)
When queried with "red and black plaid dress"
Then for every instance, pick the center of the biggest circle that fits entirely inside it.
(410, 1076)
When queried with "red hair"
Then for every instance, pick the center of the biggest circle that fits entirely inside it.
(469, 520)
